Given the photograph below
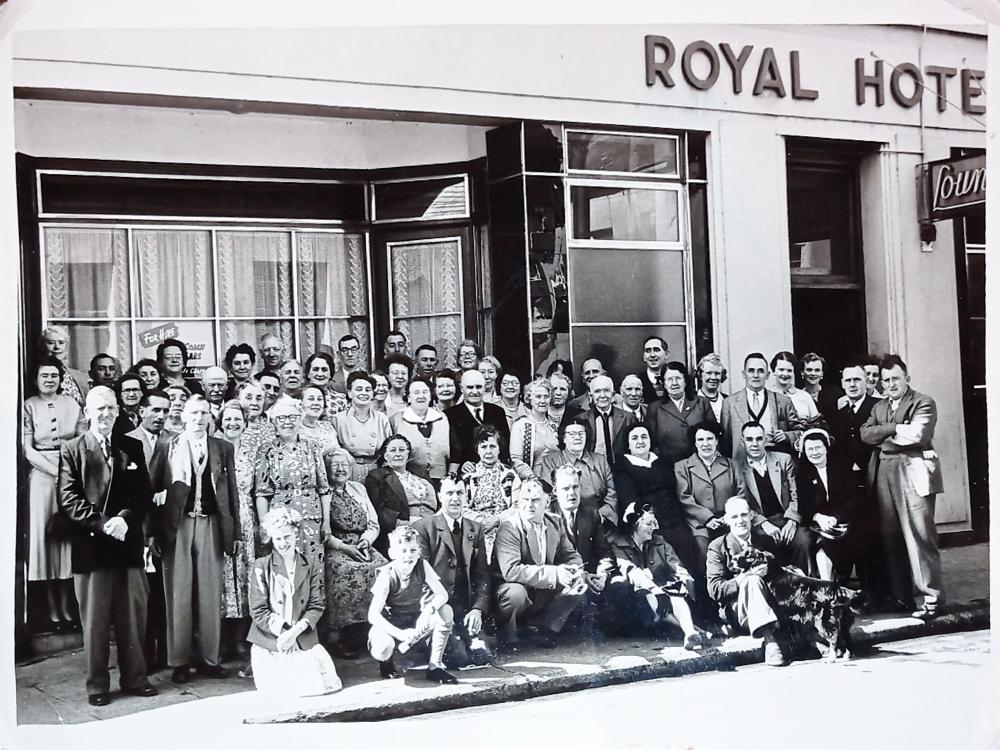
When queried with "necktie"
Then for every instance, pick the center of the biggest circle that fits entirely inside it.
(572, 525)
(479, 414)
(106, 447)
(756, 402)
(607, 439)
(456, 531)
(658, 385)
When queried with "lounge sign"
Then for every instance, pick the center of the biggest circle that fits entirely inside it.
(952, 186)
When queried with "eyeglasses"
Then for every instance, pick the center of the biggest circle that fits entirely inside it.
(131, 390)
(350, 349)
(286, 418)
(575, 433)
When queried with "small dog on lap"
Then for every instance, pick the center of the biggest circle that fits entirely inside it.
(822, 608)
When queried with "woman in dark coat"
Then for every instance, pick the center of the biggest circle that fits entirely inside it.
(645, 478)
(830, 500)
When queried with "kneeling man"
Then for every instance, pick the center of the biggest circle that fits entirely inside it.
(455, 548)
(540, 576)
(742, 594)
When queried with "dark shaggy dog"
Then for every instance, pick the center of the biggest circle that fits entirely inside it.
(822, 608)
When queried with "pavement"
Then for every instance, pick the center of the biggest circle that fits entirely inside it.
(50, 690)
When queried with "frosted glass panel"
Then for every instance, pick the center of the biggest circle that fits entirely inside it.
(628, 286)
(622, 213)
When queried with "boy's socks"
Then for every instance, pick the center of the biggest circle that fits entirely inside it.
(387, 669)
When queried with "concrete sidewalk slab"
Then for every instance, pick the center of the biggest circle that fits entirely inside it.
(50, 691)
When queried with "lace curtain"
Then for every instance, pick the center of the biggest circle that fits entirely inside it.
(86, 276)
(255, 279)
(174, 269)
(426, 294)
(333, 290)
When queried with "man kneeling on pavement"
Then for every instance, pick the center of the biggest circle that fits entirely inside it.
(456, 550)
(743, 596)
(539, 574)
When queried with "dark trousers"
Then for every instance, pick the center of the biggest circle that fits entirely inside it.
(798, 551)
(155, 646)
(545, 608)
(113, 596)
(192, 583)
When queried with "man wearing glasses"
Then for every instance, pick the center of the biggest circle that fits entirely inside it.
(349, 348)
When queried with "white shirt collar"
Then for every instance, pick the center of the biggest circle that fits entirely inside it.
(643, 462)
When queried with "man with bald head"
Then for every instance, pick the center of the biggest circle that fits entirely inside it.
(591, 369)
(465, 417)
(292, 382)
(214, 382)
(105, 492)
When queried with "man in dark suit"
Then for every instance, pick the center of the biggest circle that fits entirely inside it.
(463, 419)
(743, 595)
(853, 411)
(105, 492)
(906, 474)
(670, 419)
(755, 403)
(607, 421)
(455, 548)
(582, 524)
(630, 391)
(153, 408)
(191, 531)
(769, 486)
(654, 354)
(539, 575)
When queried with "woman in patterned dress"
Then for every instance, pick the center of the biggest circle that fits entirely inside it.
(361, 429)
(532, 435)
(291, 473)
(397, 494)
(319, 369)
(490, 483)
(50, 419)
(75, 383)
(236, 569)
(314, 425)
(260, 430)
(427, 429)
(351, 562)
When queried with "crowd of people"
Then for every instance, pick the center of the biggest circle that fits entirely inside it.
(277, 513)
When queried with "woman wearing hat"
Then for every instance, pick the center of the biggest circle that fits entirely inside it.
(828, 494)
(651, 587)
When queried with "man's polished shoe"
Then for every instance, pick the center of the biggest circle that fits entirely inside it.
(438, 675)
(143, 691)
(215, 671)
(181, 675)
(98, 699)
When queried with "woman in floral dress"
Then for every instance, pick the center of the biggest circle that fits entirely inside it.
(351, 562)
(315, 426)
(490, 483)
(532, 435)
(236, 569)
(260, 431)
(291, 473)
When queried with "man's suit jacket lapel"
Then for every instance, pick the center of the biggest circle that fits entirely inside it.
(904, 412)
(774, 472)
(214, 461)
(551, 542)
(99, 473)
(742, 409)
(468, 539)
(750, 479)
(529, 535)
(443, 526)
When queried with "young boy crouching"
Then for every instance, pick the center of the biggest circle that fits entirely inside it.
(408, 605)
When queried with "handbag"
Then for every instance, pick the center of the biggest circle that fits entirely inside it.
(59, 528)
